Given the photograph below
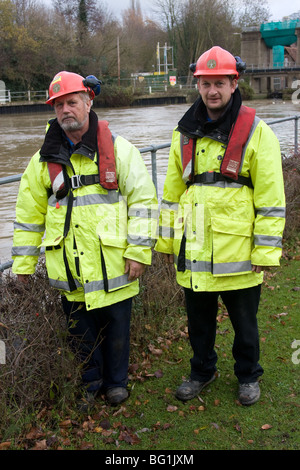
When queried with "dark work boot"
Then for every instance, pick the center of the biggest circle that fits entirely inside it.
(116, 395)
(249, 393)
(191, 388)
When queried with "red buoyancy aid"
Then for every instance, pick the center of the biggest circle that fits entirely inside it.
(107, 162)
(237, 139)
(106, 176)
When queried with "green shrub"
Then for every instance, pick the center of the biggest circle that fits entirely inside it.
(112, 96)
(246, 90)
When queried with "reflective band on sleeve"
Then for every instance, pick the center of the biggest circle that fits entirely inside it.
(173, 206)
(271, 211)
(143, 213)
(25, 251)
(166, 232)
(144, 241)
(29, 227)
(268, 240)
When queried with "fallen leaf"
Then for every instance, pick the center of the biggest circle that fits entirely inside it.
(266, 426)
(86, 445)
(98, 429)
(65, 424)
(155, 351)
(130, 438)
(171, 408)
(5, 445)
(238, 427)
(35, 433)
(158, 374)
(215, 425)
(105, 424)
(40, 445)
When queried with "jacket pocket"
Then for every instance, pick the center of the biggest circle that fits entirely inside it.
(113, 264)
(231, 246)
(60, 272)
(54, 259)
(112, 225)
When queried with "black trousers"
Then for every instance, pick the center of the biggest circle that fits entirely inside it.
(242, 306)
(101, 338)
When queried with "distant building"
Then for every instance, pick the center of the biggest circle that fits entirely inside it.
(272, 55)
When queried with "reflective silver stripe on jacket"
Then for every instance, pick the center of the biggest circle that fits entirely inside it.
(172, 206)
(268, 240)
(271, 212)
(221, 184)
(63, 285)
(93, 286)
(166, 232)
(143, 212)
(217, 268)
(114, 283)
(25, 251)
(29, 227)
(232, 268)
(88, 199)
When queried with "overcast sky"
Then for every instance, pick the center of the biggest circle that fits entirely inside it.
(278, 8)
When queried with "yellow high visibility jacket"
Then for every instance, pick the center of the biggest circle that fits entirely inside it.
(218, 229)
(106, 227)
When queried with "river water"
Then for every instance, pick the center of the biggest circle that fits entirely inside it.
(22, 135)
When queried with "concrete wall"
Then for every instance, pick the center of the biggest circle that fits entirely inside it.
(254, 50)
(258, 56)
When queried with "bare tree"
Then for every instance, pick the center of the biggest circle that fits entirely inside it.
(251, 13)
(194, 26)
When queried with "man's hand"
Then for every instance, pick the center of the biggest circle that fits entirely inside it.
(258, 269)
(168, 258)
(134, 269)
(23, 278)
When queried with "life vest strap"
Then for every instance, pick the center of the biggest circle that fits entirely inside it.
(76, 181)
(210, 177)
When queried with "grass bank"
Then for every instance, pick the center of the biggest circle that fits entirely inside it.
(37, 387)
(39, 377)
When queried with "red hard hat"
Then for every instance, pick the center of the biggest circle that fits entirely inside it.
(216, 61)
(67, 82)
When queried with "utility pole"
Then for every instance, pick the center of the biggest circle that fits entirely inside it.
(166, 59)
(118, 52)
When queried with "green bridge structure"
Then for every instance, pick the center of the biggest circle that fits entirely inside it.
(272, 54)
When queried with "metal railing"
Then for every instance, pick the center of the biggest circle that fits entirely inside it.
(296, 131)
(7, 96)
(153, 149)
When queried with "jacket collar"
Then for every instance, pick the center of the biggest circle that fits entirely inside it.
(195, 122)
(56, 146)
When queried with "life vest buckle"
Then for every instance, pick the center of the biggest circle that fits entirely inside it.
(75, 181)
